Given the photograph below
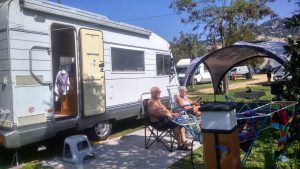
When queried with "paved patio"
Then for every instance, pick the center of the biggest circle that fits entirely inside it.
(126, 152)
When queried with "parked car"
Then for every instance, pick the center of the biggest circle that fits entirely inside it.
(239, 71)
(202, 74)
(255, 70)
(280, 74)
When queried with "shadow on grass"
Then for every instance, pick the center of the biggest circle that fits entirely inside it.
(186, 161)
(262, 84)
(269, 163)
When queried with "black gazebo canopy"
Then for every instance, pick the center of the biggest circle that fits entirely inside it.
(219, 62)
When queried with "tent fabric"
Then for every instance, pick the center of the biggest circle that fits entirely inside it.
(219, 62)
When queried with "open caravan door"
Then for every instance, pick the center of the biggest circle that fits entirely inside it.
(92, 63)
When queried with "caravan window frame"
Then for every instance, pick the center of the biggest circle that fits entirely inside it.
(143, 70)
(165, 72)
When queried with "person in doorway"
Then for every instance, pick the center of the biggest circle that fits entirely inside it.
(191, 107)
(160, 115)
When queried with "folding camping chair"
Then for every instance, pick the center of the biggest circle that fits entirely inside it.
(249, 122)
(157, 134)
(191, 124)
(173, 92)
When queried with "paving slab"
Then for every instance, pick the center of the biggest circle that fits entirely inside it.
(126, 152)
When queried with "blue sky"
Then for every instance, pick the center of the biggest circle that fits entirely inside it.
(137, 12)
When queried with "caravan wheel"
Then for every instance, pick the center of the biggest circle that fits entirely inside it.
(100, 131)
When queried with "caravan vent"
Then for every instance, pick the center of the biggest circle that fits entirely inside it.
(27, 80)
(33, 119)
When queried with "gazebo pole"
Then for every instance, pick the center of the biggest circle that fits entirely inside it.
(215, 97)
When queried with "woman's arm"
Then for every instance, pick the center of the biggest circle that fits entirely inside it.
(193, 102)
(180, 103)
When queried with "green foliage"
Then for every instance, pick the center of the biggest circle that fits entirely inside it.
(261, 154)
(186, 46)
(227, 20)
(35, 165)
(293, 51)
(293, 22)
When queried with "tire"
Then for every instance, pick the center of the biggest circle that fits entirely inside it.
(100, 131)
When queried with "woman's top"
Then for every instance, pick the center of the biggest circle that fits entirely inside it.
(185, 103)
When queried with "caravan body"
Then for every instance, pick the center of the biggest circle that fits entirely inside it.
(202, 74)
(63, 68)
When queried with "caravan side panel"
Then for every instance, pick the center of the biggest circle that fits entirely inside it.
(6, 121)
(31, 99)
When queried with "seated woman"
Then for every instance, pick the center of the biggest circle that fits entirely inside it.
(191, 107)
(162, 117)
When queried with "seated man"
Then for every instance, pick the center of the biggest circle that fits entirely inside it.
(161, 117)
(191, 107)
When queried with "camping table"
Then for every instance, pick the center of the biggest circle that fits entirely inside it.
(251, 96)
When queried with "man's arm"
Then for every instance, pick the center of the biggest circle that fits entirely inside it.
(158, 111)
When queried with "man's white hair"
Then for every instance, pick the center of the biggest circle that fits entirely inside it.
(152, 90)
(182, 88)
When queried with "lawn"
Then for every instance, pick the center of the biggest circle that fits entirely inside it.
(209, 85)
(210, 98)
(261, 155)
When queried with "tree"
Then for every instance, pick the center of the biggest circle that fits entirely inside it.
(226, 21)
(187, 46)
(293, 51)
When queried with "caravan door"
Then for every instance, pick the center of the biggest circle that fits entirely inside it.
(92, 64)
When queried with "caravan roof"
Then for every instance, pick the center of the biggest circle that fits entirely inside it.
(78, 14)
(183, 62)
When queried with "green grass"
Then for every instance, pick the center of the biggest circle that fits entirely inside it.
(199, 87)
(209, 85)
(260, 156)
(210, 98)
(35, 165)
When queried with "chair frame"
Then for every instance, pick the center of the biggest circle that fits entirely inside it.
(156, 134)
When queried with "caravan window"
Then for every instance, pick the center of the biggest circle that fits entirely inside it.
(127, 60)
(197, 71)
(163, 64)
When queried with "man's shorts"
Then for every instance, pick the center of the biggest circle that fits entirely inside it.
(164, 124)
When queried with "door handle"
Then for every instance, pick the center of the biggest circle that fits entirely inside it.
(101, 65)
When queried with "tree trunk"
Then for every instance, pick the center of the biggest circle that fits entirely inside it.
(250, 74)
(192, 82)
(225, 85)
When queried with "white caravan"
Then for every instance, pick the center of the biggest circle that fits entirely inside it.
(63, 68)
(201, 74)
